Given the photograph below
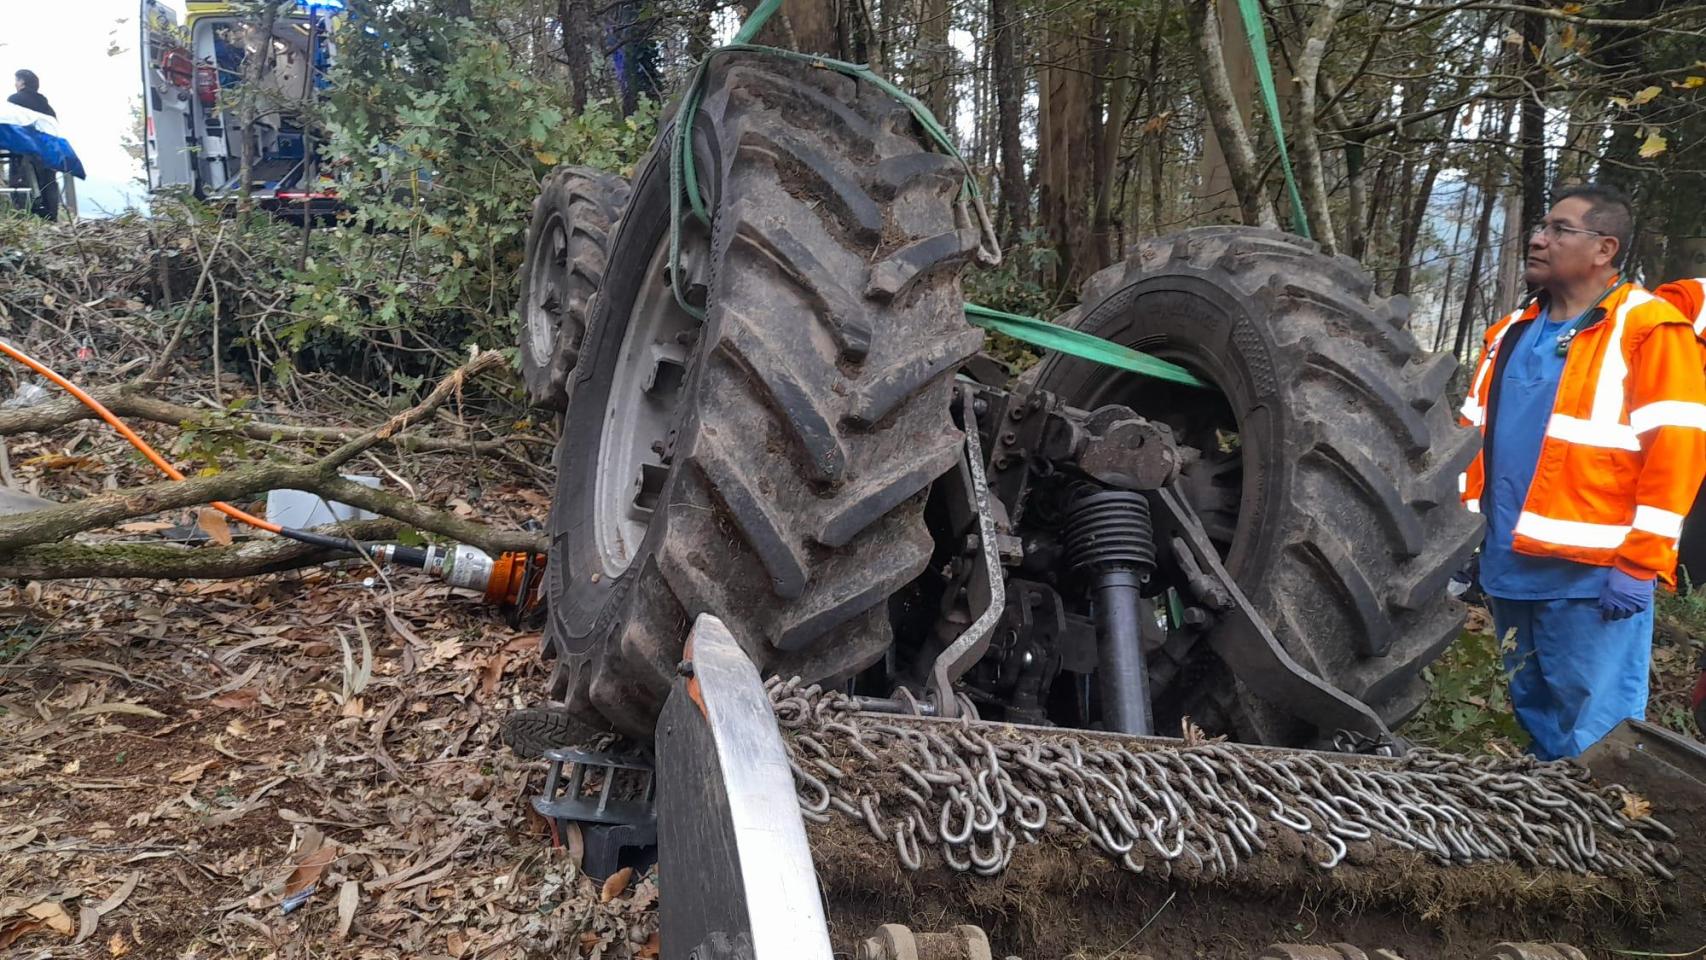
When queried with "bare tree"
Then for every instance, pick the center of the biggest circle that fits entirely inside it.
(1224, 116)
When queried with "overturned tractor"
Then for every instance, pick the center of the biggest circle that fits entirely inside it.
(979, 597)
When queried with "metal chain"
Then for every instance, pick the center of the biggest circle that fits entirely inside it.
(974, 791)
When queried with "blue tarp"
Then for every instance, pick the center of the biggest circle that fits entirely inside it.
(28, 132)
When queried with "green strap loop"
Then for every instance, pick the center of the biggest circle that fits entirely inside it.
(684, 182)
(1251, 11)
(749, 30)
(1077, 343)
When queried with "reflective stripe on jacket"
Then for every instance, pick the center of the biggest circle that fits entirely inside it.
(1625, 448)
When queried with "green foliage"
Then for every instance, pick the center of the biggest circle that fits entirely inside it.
(437, 139)
(435, 134)
(1468, 709)
(214, 438)
(1679, 639)
(1013, 287)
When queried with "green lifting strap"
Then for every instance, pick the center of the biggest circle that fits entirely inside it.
(1077, 343)
(684, 184)
(1252, 16)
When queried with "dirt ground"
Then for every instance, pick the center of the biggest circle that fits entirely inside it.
(181, 759)
(304, 764)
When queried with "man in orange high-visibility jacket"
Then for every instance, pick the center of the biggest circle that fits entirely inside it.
(1592, 406)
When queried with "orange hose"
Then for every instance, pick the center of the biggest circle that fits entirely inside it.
(124, 430)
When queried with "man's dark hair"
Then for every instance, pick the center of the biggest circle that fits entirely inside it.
(32, 83)
(1608, 212)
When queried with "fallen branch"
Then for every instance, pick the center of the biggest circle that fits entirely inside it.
(52, 524)
(490, 539)
(127, 401)
(402, 421)
(170, 561)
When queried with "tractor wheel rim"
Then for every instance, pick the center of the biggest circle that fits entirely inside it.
(636, 447)
(548, 287)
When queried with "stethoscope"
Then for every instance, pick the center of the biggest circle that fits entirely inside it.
(1588, 318)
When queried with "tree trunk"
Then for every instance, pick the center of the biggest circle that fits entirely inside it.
(1064, 159)
(1157, 183)
(935, 83)
(1310, 166)
(1009, 93)
(1440, 325)
(1105, 248)
(1411, 229)
(1472, 308)
(809, 26)
(1512, 249)
(1217, 195)
(1376, 207)
(1222, 108)
(1155, 132)
(580, 38)
(1532, 134)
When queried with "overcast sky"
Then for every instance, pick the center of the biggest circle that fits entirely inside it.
(67, 43)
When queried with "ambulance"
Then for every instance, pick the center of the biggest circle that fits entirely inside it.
(192, 73)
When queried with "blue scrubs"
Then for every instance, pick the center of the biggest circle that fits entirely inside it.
(1574, 675)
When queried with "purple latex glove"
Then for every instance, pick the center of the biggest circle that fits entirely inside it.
(1624, 596)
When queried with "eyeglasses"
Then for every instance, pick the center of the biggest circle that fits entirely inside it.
(1555, 230)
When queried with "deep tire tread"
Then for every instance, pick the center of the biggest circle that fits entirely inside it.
(589, 201)
(1351, 566)
(819, 416)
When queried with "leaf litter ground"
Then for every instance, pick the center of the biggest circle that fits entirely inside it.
(215, 752)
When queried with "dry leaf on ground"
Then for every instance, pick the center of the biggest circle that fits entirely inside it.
(1636, 806)
(117, 898)
(244, 699)
(349, 896)
(309, 870)
(193, 772)
(491, 672)
(212, 523)
(615, 884)
(42, 916)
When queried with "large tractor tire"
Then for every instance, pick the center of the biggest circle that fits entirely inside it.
(767, 464)
(566, 242)
(1330, 455)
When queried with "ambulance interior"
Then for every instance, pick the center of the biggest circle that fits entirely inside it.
(196, 104)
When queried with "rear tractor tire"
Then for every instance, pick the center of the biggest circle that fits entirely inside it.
(1330, 456)
(768, 463)
(573, 218)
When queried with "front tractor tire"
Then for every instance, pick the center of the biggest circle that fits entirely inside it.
(1330, 456)
(768, 463)
(567, 238)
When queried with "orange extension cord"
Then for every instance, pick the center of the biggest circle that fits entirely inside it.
(130, 435)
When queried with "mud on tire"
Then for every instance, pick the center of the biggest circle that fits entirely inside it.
(573, 216)
(814, 410)
(1331, 455)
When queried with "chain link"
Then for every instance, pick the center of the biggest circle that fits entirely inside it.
(973, 791)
